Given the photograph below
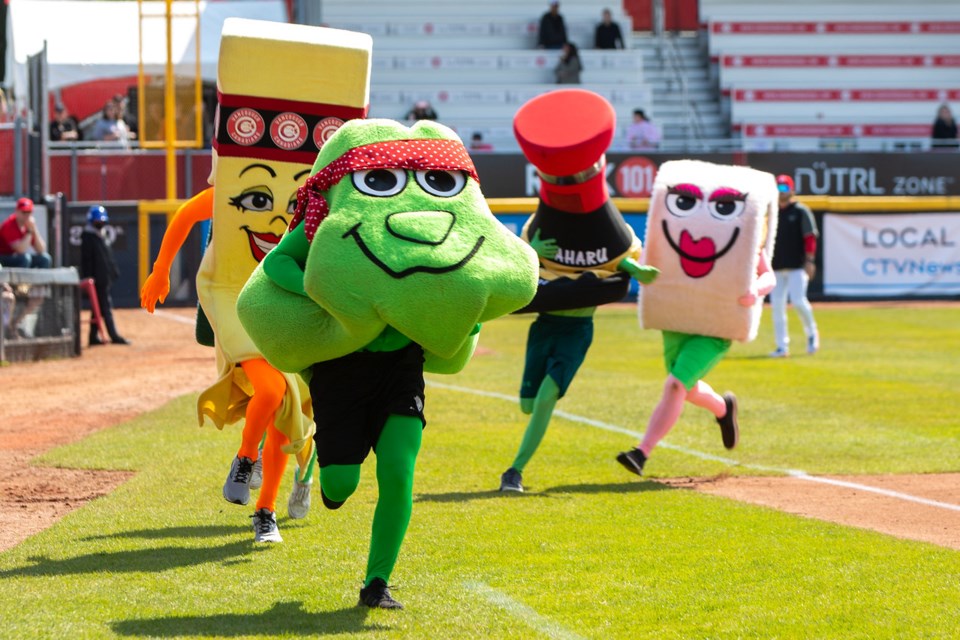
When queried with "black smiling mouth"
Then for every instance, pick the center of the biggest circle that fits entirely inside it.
(355, 233)
(716, 256)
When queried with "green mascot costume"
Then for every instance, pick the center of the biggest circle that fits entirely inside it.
(390, 265)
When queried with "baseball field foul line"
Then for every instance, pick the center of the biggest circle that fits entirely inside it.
(793, 473)
(524, 613)
(173, 316)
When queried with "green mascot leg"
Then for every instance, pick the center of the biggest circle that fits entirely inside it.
(542, 411)
(396, 452)
(339, 481)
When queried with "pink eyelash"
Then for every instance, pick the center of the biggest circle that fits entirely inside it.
(726, 193)
(686, 189)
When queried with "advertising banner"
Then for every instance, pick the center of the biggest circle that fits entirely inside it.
(891, 255)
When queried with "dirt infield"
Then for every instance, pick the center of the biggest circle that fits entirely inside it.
(46, 404)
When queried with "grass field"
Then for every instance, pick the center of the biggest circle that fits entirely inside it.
(588, 552)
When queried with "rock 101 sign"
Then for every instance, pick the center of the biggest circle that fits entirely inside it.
(633, 178)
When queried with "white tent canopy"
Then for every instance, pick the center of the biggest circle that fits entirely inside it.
(91, 39)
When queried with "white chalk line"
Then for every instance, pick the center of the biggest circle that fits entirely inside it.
(172, 316)
(793, 473)
(525, 614)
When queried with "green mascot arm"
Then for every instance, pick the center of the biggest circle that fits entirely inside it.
(291, 330)
(644, 274)
(285, 264)
(432, 363)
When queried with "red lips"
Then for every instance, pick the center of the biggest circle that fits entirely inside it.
(704, 249)
(261, 243)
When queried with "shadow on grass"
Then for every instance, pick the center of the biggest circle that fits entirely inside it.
(172, 532)
(283, 619)
(153, 560)
(619, 487)
(205, 531)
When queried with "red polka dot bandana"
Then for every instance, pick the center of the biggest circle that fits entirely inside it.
(417, 155)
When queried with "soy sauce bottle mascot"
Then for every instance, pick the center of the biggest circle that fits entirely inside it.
(587, 251)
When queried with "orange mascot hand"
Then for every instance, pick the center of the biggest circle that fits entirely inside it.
(157, 285)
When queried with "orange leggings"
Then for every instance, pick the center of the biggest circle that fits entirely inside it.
(269, 387)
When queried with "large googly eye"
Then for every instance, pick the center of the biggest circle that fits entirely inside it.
(726, 209)
(444, 184)
(681, 204)
(381, 183)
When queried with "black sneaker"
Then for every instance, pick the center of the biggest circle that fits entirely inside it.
(328, 503)
(236, 489)
(729, 428)
(632, 460)
(376, 595)
(511, 480)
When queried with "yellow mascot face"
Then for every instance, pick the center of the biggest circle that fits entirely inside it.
(283, 89)
(254, 203)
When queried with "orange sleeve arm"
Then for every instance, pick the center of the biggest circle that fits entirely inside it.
(157, 285)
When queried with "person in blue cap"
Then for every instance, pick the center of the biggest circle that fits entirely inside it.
(96, 261)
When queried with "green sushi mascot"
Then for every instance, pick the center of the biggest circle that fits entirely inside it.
(390, 265)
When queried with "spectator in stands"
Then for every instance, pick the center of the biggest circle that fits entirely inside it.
(111, 127)
(4, 107)
(8, 301)
(944, 133)
(21, 244)
(607, 34)
(477, 143)
(643, 134)
(422, 110)
(553, 30)
(568, 66)
(794, 264)
(64, 127)
(96, 261)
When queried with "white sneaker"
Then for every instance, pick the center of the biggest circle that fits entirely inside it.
(813, 344)
(265, 526)
(299, 503)
(256, 476)
(779, 353)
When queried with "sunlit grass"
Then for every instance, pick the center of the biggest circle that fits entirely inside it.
(588, 552)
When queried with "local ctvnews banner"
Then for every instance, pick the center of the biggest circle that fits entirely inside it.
(891, 255)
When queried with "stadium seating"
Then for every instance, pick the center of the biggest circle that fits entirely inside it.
(872, 71)
(478, 62)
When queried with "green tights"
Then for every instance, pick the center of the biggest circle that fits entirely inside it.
(396, 452)
(540, 410)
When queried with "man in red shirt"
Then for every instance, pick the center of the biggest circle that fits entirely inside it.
(18, 235)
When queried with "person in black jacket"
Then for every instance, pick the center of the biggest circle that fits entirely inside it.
(96, 261)
(607, 35)
(552, 33)
(944, 131)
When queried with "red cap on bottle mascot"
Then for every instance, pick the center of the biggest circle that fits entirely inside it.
(565, 134)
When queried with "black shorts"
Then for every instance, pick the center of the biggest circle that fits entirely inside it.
(556, 347)
(353, 396)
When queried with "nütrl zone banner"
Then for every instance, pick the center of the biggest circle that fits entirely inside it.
(891, 254)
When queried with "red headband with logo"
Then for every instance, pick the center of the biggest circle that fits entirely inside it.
(417, 155)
